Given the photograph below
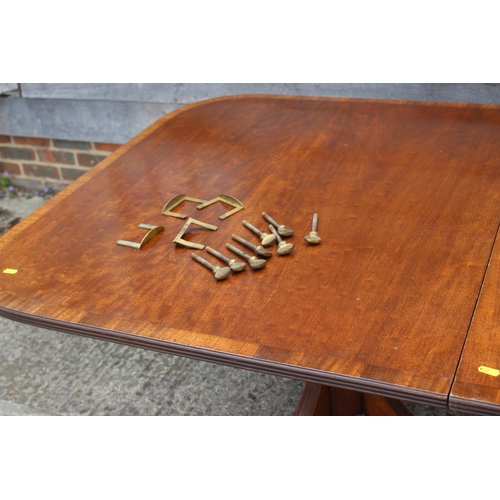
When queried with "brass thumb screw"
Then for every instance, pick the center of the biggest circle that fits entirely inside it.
(282, 229)
(284, 248)
(266, 239)
(255, 263)
(313, 237)
(258, 249)
(221, 273)
(235, 265)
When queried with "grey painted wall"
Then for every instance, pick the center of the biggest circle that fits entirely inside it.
(6, 88)
(101, 121)
(183, 93)
(112, 112)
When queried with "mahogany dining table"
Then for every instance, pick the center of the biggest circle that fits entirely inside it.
(398, 303)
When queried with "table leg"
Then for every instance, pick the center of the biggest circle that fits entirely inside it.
(380, 405)
(322, 400)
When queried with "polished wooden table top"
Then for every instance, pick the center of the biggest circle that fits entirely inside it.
(408, 197)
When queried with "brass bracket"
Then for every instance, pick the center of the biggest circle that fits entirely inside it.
(178, 239)
(225, 198)
(176, 201)
(153, 231)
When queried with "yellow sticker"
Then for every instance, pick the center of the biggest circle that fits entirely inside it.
(10, 271)
(489, 371)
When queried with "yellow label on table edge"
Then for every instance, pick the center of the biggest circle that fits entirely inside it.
(10, 271)
(489, 371)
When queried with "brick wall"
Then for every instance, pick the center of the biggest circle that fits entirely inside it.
(49, 163)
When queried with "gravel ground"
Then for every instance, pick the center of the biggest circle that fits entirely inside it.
(51, 373)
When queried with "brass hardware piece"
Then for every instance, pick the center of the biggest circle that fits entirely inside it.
(258, 249)
(153, 231)
(178, 239)
(220, 273)
(10, 271)
(235, 265)
(175, 202)
(266, 239)
(284, 248)
(282, 230)
(313, 237)
(224, 198)
(255, 263)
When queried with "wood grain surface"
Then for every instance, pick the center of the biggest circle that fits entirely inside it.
(476, 391)
(408, 202)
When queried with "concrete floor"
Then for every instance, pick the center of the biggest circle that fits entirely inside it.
(51, 373)
(54, 373)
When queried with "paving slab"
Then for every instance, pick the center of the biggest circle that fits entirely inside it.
(60, 374)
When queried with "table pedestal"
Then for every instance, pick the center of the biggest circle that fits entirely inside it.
(322, 400)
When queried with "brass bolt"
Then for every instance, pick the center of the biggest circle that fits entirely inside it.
(313, 237)
(255, 263)
(282, 229)
(258, 249)
(235, 265)
(266, 239)
(220, 273)
(284, 248)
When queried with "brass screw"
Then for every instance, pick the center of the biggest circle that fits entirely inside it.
(258, 249)
(266, 239)
(255, 263)
(284, 248)
(282, 229)
(235, 265)
(313, 237)
(220, 273)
